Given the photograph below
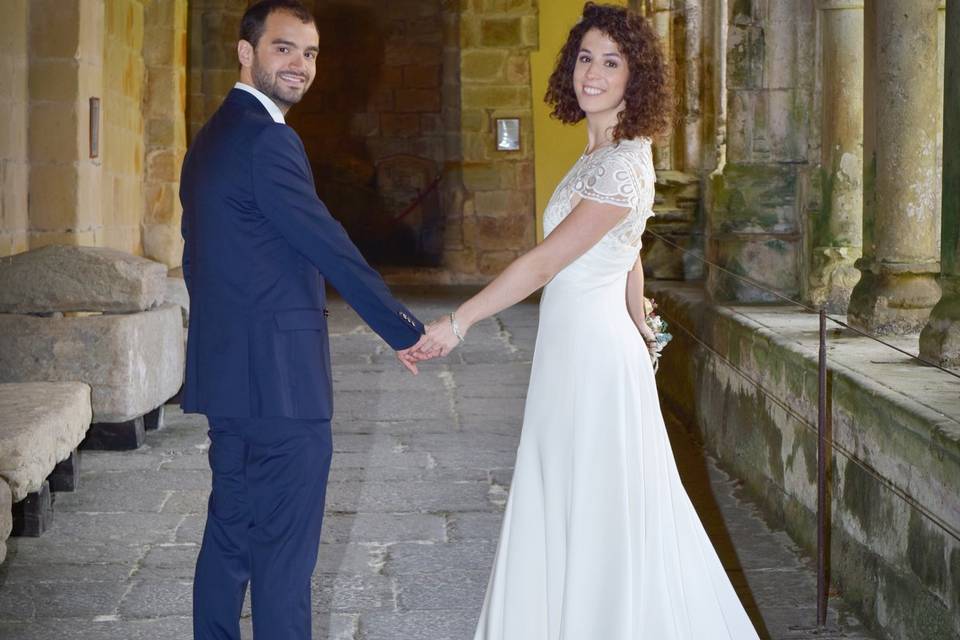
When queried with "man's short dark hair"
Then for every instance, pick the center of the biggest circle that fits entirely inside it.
(254, 20)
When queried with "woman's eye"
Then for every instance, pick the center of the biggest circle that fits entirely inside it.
(282, 49)
(611, 64)
(585, 59)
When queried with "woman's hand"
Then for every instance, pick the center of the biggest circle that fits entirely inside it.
(648, 336)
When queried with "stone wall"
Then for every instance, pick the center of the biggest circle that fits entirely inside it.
(745, 380)
(14, 104)
(76, 176)
(496, 221)
(756, 205)
(123, 125)
(373, 123)
(66, 70)
(214, 26)
(165, 56)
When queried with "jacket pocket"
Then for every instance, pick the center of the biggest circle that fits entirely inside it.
(301, 320)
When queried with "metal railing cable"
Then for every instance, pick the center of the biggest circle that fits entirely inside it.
(806, 307)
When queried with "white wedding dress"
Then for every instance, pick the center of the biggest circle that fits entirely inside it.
(599, 539)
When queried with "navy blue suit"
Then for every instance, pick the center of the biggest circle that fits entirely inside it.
(259, 245)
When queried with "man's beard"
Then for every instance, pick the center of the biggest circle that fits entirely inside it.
(271, 86)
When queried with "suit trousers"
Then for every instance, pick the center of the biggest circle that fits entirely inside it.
(263, 526)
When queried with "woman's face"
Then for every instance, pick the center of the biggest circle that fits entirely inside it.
(600, 76)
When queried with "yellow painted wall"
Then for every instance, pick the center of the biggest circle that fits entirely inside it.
(556, 146)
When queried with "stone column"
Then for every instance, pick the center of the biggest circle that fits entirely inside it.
(660, 13)
(898, 287)
(65, 71)
(838, 230)
(165, 140)
(940, 339)
(692, 76)
(14, 156)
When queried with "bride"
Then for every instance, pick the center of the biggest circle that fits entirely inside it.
(599, 539)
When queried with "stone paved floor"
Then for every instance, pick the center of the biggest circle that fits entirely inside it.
(419, 480)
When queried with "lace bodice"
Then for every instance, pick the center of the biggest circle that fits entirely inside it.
(620, 174)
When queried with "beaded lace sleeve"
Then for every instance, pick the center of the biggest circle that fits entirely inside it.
(610, 181)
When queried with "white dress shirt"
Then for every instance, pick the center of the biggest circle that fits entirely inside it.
(267, 103)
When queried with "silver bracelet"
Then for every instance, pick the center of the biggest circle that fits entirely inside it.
(456, 327)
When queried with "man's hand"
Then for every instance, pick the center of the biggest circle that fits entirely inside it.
(410, 356)
(407, 360)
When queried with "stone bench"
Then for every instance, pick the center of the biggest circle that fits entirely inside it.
(41, 425)
(97, 316)
(133, 363)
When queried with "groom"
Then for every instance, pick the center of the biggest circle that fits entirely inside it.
(258, 246)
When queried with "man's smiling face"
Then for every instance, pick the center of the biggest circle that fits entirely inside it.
(284, 62)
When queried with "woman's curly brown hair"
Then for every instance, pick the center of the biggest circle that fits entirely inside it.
(648, 103)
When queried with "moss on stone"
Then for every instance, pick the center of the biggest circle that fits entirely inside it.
(926, 552)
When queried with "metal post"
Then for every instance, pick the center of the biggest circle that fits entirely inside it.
(822, 505)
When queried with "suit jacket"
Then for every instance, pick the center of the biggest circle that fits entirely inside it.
(259, 244)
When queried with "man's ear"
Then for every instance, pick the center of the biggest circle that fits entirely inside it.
(245, 53)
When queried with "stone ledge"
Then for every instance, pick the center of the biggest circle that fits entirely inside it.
(68, 278)
(41, 423)
(896, 567)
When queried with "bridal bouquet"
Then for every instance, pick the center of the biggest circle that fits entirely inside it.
(659, 327)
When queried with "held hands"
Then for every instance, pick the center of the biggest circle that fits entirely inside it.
(442, 336)
(440, 340)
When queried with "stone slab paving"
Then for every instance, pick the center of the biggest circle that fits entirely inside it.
(419, 480)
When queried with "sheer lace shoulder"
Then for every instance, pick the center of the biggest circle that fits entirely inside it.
(620, 175)
(609, 180)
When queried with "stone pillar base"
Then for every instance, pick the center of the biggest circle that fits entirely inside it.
(833, 277)
(940, 339)
(893, 303)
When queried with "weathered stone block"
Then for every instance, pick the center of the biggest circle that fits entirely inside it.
(421, 76)
(482, 66)
(401, 125)
(772, 261)
(416, 100)
(497, 97)
(755, 199)
(41, 423)
(501, 32)
(61, 278)
(177, 294)
(132, 362)
(55, 133)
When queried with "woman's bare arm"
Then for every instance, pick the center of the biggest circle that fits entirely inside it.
(635, 303)
(581, 229)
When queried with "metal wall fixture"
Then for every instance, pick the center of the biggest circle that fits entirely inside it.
(508, 134)
(94, 127)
